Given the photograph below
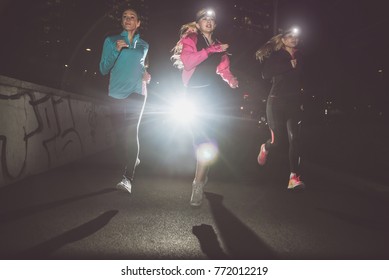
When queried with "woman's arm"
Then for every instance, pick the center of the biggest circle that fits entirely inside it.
(223, 69)
(191, 57)
(108, 57)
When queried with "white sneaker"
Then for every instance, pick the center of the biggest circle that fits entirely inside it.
(197, 193)
(124, 185)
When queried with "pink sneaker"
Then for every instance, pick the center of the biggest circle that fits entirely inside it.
(262, 155)
(295, 183)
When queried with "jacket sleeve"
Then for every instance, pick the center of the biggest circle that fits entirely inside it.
(108, 57)
(145, 60)
(275, 65)
(223, 69)
(190, 57)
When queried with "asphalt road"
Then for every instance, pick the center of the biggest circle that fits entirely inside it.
(75, 212)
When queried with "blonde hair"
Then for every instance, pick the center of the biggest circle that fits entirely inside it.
(185, 30)
(274, 44)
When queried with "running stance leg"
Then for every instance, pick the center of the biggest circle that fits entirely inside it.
(293, 129)
(275, 119)
(136, 108)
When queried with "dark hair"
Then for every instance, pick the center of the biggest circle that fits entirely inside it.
(131, 9)
(116, 12)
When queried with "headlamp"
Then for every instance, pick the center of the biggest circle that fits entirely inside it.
(210, 13)
(294, 31)
(205, 13)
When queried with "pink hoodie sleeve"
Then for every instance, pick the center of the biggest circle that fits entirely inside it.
(223, 69)
(190, 57)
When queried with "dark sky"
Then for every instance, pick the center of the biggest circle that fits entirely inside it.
(344, 41)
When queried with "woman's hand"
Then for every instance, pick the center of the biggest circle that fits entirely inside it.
(121, 44)
(217, 48)
(146, 77)
(224, 47)
(234, 83)
(294, 63)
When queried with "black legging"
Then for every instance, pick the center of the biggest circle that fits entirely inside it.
(282, 112)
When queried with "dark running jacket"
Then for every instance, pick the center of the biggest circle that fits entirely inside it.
(286, 80)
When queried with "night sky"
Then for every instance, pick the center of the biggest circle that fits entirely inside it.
(344, 41)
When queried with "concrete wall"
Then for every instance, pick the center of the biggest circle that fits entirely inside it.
(42, 128)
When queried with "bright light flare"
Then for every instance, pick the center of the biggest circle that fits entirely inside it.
(207, 152)
(183, 111)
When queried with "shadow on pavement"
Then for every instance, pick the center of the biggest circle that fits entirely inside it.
(10, 216)
(240, 241)
(45, 249)
(208, 242)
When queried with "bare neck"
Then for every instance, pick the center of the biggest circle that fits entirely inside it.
(131, 35)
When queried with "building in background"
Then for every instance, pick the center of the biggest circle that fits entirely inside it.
(254, 21)
(82, 73)
(59, 41)
(116, 8)
(254, 17)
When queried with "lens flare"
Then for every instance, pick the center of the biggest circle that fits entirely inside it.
(207, 152)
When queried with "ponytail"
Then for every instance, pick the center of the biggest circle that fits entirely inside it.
(274, 44)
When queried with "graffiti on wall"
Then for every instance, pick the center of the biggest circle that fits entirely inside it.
(41, 131)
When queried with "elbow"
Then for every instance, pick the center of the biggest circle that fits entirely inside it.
(187, 65)
(103, 70)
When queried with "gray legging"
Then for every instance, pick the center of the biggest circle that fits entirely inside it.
(127, 122)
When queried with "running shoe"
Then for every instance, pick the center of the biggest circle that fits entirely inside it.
(124, 185)
(262, 156)
(196, 198)
(295, 183)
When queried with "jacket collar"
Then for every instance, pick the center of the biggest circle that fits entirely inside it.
(125, 34)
